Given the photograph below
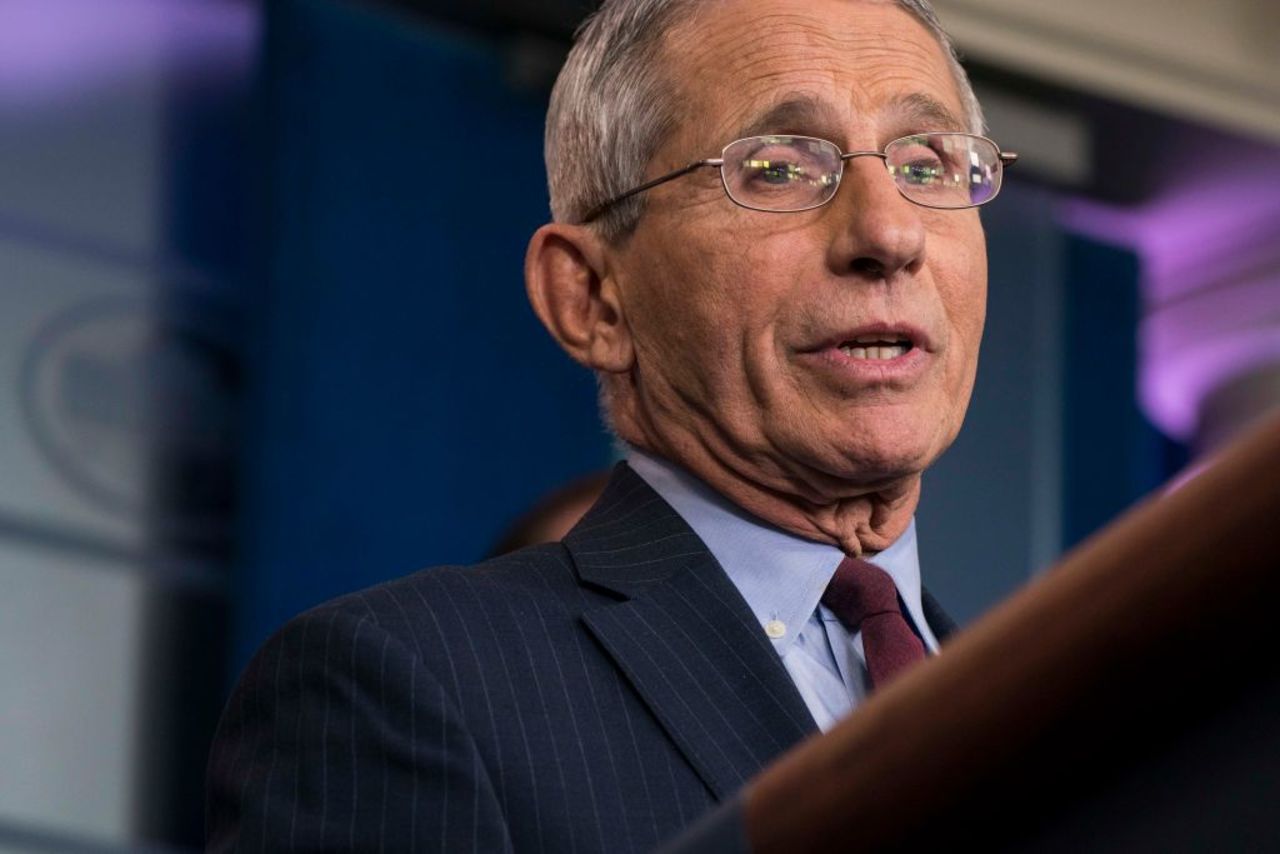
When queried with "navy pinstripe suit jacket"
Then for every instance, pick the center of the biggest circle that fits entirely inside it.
(595, 695)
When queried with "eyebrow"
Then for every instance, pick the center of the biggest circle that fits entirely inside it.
(802, 112)
(925, 109)
(793, 113)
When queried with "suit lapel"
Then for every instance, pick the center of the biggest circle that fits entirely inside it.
(683, 636)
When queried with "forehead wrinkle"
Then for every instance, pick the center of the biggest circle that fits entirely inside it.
(808, 112)
(802, 112)
(771, 30)
(774, 33)
(787, 42)
(852, 71)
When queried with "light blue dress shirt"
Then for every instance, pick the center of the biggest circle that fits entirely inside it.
(782, 578)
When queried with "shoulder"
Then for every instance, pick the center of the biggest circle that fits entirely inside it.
(434, 631)
(429, 614)
(360, 695)
(544, 573)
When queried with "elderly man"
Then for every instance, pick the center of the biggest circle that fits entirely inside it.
(766, 246)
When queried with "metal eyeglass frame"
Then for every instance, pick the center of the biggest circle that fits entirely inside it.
(1004, 158)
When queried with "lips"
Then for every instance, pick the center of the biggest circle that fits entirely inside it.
(873, 356)
(876, 347)
(875, 342)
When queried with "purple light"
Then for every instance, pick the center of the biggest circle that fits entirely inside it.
(1191, 348)
(1210, 251)
(52, 51)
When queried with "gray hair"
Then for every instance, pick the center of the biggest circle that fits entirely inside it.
(611, 107)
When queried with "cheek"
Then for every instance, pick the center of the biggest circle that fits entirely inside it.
(968, 320)
(970, 307)
(962, 285)
(686, 310)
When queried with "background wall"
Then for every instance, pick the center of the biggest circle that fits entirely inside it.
(263, 340)
(122, 133)
(405, 404)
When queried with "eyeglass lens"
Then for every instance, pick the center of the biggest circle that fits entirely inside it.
(793, 173)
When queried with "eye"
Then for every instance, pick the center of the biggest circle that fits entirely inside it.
(780, 173)
(918, 164)
(944, 170)
(777, 172)
(774, 171)
(779, 163)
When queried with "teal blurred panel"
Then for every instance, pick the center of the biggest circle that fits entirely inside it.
(404, 403)
(1054, 445)
(1113, 456)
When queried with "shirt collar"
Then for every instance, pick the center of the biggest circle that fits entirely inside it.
(780, 575)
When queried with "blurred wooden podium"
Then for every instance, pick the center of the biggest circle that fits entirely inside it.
(1128, 700)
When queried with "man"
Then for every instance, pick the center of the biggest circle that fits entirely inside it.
(786, 336)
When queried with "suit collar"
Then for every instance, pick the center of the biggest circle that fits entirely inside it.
(684, 637)
(789, 584)
(631, 539)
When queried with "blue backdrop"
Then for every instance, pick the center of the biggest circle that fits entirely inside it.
(404, 402)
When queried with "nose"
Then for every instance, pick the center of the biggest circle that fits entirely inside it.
(879, 234)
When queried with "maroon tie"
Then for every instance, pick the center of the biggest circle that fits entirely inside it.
(864, 598)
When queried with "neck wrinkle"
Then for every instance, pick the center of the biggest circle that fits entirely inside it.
(867, 522)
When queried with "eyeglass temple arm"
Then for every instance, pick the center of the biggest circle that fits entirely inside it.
(1008, 158)
(670, 176)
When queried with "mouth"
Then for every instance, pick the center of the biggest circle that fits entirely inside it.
(879, 342)
(878, 355)
(878, 348)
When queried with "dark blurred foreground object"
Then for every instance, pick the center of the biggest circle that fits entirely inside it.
(552, 517)
(1129, 700)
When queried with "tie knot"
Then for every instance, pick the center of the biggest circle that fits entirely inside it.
(859, 590)
(864, 598)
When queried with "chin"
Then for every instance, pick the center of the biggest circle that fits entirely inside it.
(883, 467)
(882, 453)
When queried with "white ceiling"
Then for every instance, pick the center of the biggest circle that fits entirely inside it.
(1216, 62)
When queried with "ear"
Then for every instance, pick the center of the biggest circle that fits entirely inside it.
(567, 277)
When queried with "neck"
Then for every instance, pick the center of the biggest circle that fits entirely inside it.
(857, 518)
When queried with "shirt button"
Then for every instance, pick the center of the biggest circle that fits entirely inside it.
(775, 629)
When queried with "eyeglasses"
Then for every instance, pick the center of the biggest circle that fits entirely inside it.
(784, 174)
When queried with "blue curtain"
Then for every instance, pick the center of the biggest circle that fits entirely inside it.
(404, 404)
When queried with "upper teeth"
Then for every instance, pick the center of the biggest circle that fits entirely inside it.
(874, 347)
(884, 351)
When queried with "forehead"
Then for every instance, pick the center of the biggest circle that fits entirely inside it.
(752, 66)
